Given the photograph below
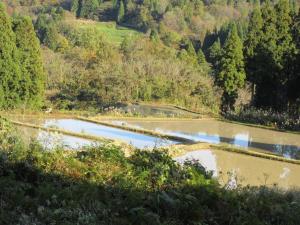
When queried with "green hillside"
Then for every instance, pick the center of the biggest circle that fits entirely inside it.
(112, 33)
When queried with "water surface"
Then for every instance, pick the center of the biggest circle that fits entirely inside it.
(52, 140)
(238, 169)
(83, 127)
(213, 131)
(135, 139)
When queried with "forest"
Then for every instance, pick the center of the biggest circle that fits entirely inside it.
(226, 64)
(236, 48)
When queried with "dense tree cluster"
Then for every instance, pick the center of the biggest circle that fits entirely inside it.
(21, 70)
(96, 74)
(272, 52)
(85, 8)
(267, 53)
(166, 17)
(46, 27)
(246, 42)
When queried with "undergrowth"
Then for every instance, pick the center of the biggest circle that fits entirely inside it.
(270, 118)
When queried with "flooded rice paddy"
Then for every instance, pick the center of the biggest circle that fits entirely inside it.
(88, 128)
(238, 169)
(52, 140)
(216, 132)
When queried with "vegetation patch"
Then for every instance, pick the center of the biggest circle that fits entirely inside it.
(99, 185)
(111, 32)
(280, 121)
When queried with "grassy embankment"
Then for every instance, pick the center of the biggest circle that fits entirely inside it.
(99, 185)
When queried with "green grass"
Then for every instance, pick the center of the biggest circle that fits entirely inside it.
(112, 33)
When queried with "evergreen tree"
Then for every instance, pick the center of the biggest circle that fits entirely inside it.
(201, 57)
(294, 79)
(190, 48)
(41, 26)
(121, 12)
(296, 31)
(285, 45)
(214, 56)
(9, 63)
(232, 74)
(286, 51)
(263, 73)
(187, 52)
(202, 61)
(254, 33)
(32, 81)
(252, 41)
(209, 39)
(88, 8)
(51, 37)
(273, 56)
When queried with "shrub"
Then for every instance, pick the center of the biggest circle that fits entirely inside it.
(266, 117)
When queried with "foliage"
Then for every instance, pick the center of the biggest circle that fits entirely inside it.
(232, 74)
(278, 120)
(99, 185)
(252, 42)
(121, 12)
(9, 63)
(100, 74)
(46, 27)
(105, 64)
(33, 77)
(214, 56)
(270, 50)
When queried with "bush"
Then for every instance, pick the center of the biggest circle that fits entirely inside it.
(266, 117)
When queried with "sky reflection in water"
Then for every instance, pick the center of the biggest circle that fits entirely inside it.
(216, 132)
(135, 139)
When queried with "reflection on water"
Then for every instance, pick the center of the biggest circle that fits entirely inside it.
(56, 141)
(50, 140)
(242, 169)
(135, 139)
(213, 131)
(205, 157)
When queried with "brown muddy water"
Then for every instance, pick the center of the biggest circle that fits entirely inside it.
(51, 140)
(234, 169)
(216, 132)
